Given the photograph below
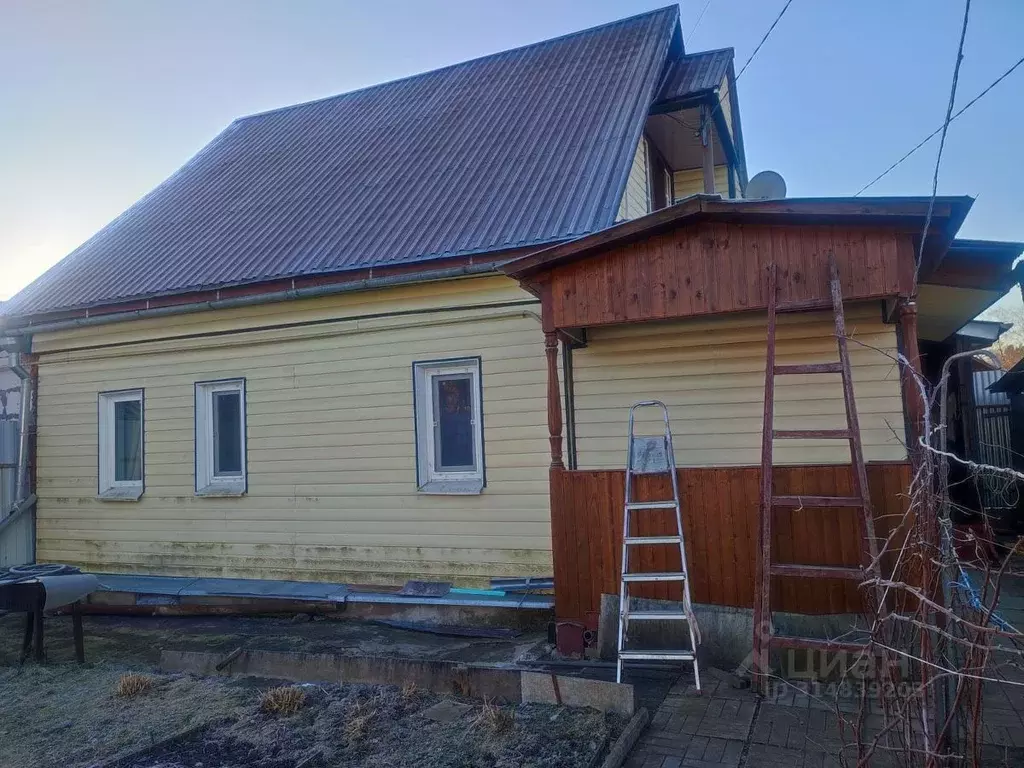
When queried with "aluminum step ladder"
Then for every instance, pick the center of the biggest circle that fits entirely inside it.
(652, 455)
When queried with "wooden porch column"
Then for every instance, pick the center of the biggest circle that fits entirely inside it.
(907, 319)
(709, 150)
(554, 400)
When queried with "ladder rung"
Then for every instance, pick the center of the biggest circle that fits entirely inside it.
(652, 655)
(650, 505)
(816, 571)
(814, 644)
(817, 501)
(656, 615)
(655, 576)
(782, 370)
(812, 434)
(633, 540)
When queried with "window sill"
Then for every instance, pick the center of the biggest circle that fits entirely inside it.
(452, 488)
(121, 494)
(224, 490)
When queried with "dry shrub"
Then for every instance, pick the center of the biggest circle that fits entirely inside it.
(359, 721)
(132, 684)
(494, 718)
(284, 700)
(409, 691)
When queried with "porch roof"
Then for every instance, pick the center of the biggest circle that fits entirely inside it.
(903, 212)
(705, 255)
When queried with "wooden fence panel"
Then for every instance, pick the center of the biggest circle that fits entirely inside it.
(720, 513)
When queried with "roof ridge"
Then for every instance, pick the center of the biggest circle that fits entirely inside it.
(709, 50)
(538, 43)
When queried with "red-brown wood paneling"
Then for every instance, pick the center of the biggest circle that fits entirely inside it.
(716, 267)
(720, 513)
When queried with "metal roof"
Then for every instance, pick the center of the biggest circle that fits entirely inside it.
(689, 75)
(522, 147)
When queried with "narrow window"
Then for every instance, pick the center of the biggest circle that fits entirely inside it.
(220, 438)
(121, 437)
(449, 426)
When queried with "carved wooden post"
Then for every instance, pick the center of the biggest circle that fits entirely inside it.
(912, 403)
(708, 150)
(554, 399)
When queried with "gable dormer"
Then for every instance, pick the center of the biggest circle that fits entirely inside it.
(692, 142)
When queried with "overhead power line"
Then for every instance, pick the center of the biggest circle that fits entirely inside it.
(700, 17)
(938, 130)
(942, 139)
(766, 34)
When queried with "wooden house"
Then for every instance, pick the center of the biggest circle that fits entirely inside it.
(394, 334)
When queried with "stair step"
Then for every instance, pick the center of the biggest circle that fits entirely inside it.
(656, 616)
(653, 655)
(817, 501)
(634, 540)
(816, 571)
(654, 576)
(784, 370)
(651, 505)
(812, 434)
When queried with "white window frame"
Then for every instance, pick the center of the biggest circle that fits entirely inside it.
(430, 479)
(207, 482)
(108, 488)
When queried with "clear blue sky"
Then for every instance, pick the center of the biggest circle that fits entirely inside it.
(102, 100)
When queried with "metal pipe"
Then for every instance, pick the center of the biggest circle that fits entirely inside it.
(21, 489)
(313, 291)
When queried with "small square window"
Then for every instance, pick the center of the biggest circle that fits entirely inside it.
(220, 438)
(121, 451)
(449, 426)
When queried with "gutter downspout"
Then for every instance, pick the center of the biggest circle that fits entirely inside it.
(27, 407)
(313, 291)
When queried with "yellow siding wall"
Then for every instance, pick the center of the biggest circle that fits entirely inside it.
(331, 449)
(691, 182)
(636, 200)
(710, 373)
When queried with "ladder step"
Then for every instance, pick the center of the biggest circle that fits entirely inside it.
(815, 644)
(650, 505)
(782, 370)
(812, 434)
(816, 571)
(656, 615)
(817, 501)
(652, 655)
(654, 576)
(633, 540)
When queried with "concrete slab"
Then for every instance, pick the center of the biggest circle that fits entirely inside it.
(545, 688)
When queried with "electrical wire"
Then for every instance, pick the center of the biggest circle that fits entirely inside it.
(766, 34)
(942, 139)
(938, 130)
(700, 17)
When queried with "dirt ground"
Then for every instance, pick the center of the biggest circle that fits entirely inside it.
(70, 715)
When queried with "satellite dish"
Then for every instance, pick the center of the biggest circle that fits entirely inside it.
(767, 185)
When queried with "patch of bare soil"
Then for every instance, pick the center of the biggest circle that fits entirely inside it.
(89, 716)
(382, 727)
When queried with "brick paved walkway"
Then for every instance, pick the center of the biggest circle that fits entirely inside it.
(729, 728)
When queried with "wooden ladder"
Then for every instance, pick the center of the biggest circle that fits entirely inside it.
(765, 638)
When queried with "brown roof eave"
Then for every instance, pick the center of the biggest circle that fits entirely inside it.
(903, 212)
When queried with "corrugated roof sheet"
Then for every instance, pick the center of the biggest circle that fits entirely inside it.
(694, 73)
(527, 146)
